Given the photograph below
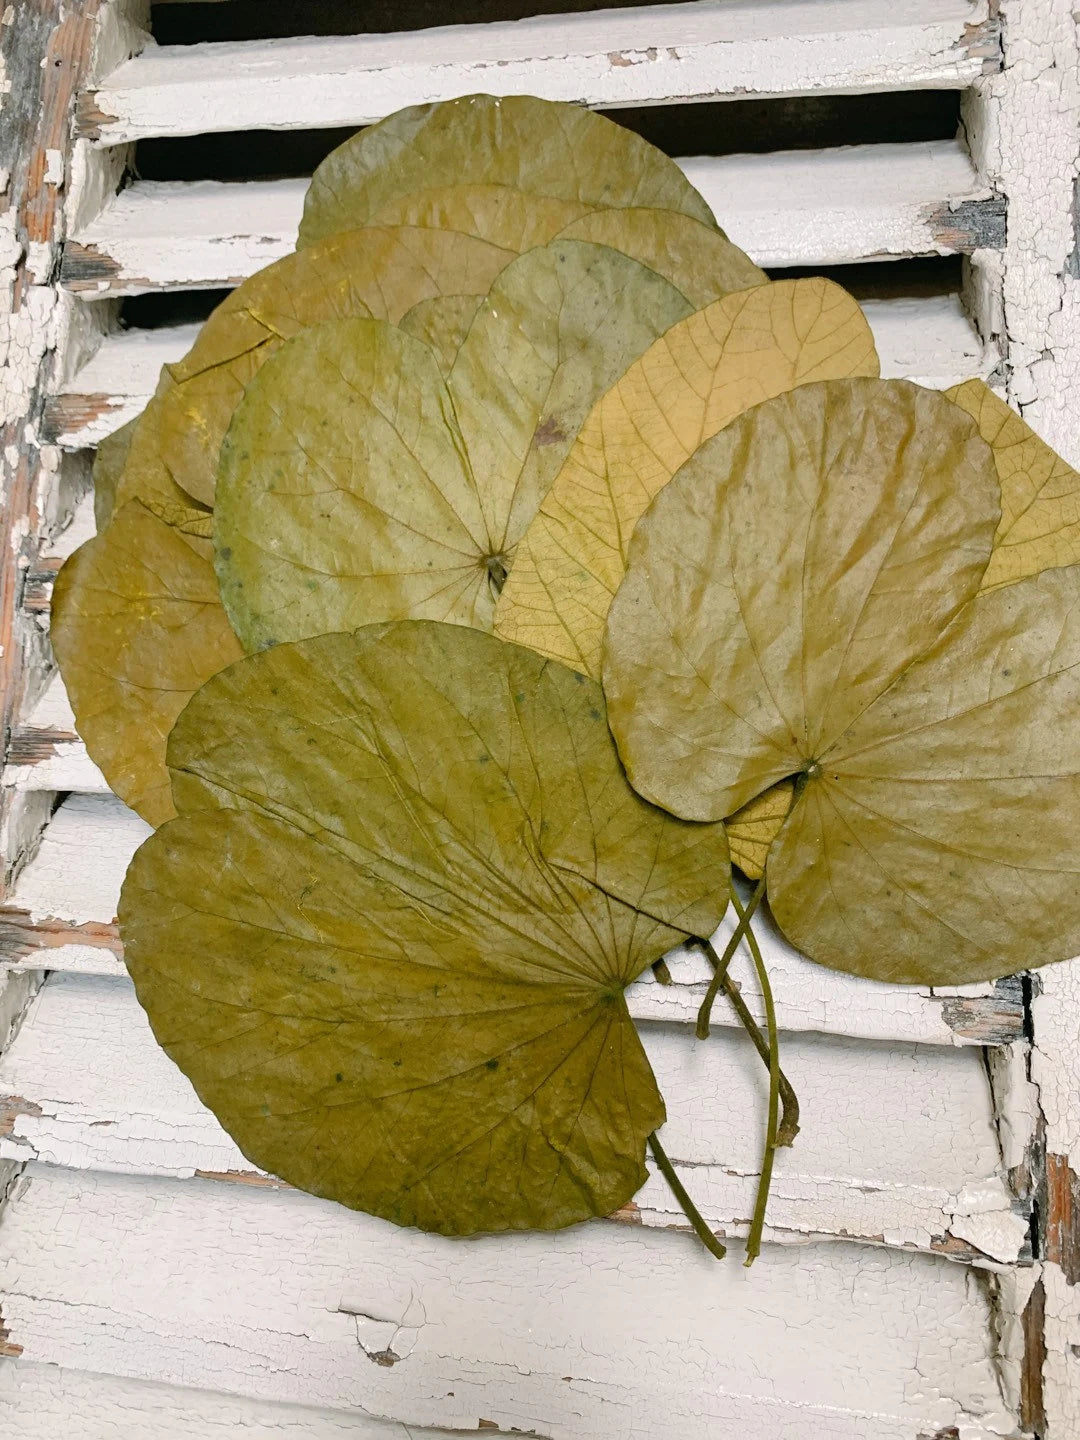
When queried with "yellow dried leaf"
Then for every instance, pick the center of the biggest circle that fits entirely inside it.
(694, 380)
(1040, 493)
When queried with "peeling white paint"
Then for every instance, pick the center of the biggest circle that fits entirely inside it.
(603, 1331)
(694, 52)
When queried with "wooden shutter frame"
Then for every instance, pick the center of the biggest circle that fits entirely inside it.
(1024, 294)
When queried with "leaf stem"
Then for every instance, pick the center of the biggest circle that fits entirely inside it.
(757, 1224)
(690, 1210)
(789, 1119)
(719, 974)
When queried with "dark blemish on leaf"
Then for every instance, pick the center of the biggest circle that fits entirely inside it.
(594, 714)
(548, 432)
(339, 1077)
(485, 759)
(225, 552)
(492, 1064)
(519, 698)
(1006, 672)
(397, 1064)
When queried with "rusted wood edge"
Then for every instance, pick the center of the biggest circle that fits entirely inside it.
(22, 937)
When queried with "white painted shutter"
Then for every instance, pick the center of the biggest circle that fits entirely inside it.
(918, 1281)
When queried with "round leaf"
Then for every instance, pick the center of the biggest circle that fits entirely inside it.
(691, 383)
(137, 627)
(380, 272)
(797, 608)
(546, 148)
(941, 842)
(802, 559)
(1040, 494)
(698, 259)
(423, 486)
(388, 936)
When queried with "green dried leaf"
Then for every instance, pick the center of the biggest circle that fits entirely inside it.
(137, 627)
(421, 487)
(380, 272)
(812, 619)
(442, 324)
(500, 214)
(542, 147)
(388, 937)
(108, 466)
(688, 385)
(697, 258)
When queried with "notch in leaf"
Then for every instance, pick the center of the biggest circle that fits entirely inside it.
(388, 936)
(801, 603)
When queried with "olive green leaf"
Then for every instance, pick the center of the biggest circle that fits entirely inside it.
(442, 324)
(388, 936)
(546, 148)
(358, 486)
(942, 843)
(1040, 493)
(108, 466)
(380, 272)
(782, 618)
(500, 214)
(691, 383)
(697, 258)
(137, 627)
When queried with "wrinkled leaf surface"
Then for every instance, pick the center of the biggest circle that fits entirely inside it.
(420, 487)
(782, 617)
(543, 147)
(691, 383)
(388, 936)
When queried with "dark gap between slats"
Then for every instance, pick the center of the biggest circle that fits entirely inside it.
(731, 127)
(276, 19)
(939, 275)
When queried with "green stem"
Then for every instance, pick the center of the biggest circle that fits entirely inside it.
(690, 1210)
(719, 974)
(757, 1224)
(789, 1119)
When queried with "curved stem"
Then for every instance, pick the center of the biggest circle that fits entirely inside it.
(757, 1224)
(789, 1119)
(741, 929)
(690, 1210)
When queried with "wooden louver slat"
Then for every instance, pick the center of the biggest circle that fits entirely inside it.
(862, 202)
(646, 56)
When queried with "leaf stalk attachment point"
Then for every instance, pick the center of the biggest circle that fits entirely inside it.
(690, 1210)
